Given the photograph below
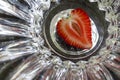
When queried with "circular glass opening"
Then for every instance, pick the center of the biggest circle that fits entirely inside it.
(58, 45)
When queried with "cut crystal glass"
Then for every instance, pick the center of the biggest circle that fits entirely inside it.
(31, 49)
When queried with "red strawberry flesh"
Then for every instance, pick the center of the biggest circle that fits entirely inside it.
(76, 29)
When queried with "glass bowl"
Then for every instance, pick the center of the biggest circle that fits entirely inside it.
(31, 49)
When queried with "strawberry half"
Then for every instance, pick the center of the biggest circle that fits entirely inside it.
(75, 30)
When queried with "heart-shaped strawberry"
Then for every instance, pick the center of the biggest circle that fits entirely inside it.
(75, 30)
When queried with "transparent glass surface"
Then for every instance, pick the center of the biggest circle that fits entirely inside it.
(30, 48)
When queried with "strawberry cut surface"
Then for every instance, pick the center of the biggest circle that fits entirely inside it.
(75, 29)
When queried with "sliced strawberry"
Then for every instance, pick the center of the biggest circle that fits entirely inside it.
(75, 30)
